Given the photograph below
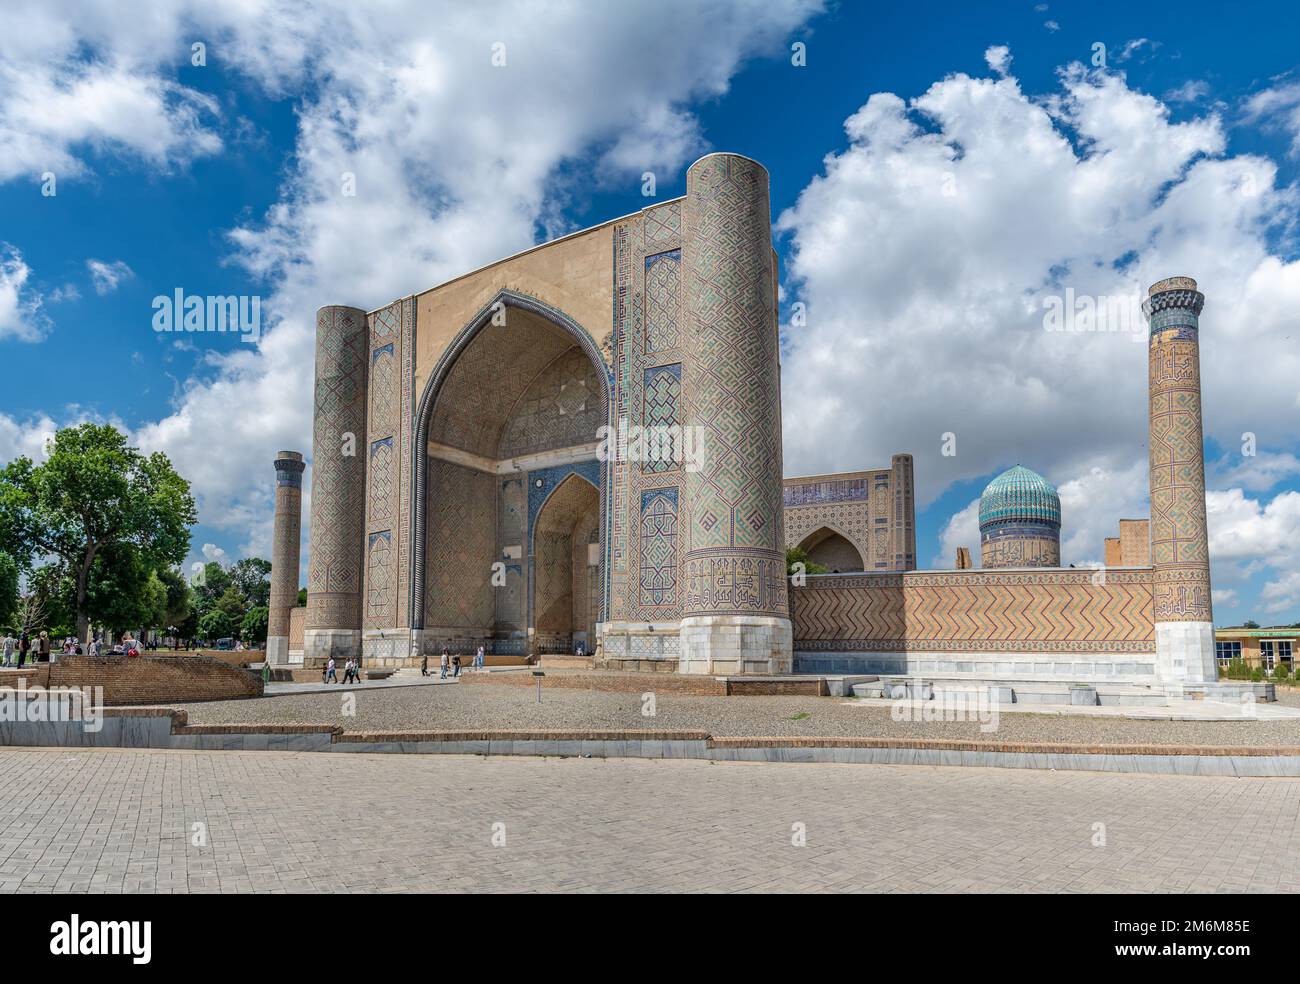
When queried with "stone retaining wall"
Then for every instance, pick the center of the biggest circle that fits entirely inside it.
(148, 679)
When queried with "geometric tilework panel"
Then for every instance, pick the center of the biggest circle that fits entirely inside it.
(958, 611)
(662, 285)
(381, 580)
(659, 557)
(663, 397)
(560, 408)
(852, 520)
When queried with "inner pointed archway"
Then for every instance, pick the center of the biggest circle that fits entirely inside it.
(832, 550)
(565, 562)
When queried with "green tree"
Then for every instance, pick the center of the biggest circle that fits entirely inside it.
(253, 628)
(252, 576)
(209, 585)
(8, 588)
(302, 597)
(179, 597)
(797, 555)
(233, 604)
(92, 492)
(214, 625)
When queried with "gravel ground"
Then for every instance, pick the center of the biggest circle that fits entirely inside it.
(487, 707)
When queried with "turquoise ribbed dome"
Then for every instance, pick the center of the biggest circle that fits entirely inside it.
(1020, 495)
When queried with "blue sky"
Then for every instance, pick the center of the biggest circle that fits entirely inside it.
(988, 162)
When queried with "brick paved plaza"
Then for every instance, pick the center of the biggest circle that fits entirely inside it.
(116, 821)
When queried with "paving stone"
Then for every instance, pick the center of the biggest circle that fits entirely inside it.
(122, 821)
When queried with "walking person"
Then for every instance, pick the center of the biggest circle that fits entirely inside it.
(44, 653)
(9, 649)
(446, 662)
(424, 665)
(478, 658)
(456, 663)
(24, 647)
(329, 671)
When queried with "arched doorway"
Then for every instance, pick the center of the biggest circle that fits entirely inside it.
(832, 550)
(509, 501)
(565, 564)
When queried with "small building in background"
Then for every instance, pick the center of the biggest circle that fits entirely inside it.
(1262, 648)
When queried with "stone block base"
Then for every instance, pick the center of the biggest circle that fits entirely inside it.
(277, 650)
(390, 649)
(318, 645)
(1185, 652)
(732, 645)
(644, 647)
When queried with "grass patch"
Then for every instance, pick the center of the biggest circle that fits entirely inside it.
(799, 717)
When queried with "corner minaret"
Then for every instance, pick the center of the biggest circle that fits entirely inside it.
(735, 611)
(338, 482)
(1179, 537)
(285, 549)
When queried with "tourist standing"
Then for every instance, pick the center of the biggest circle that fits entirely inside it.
(9, 649)
(478, 658)
(456, 663)
(446, 662)
(24, 647)
(424, 665)
(329, 671)
(44, 653)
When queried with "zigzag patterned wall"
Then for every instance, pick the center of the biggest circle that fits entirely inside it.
(959, 611)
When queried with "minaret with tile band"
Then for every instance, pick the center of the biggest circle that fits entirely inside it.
(286, 548)
(1179, 535)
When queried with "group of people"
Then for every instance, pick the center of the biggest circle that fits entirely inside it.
(26, 647)
(351, 671)
(17, 650)
(452, 663)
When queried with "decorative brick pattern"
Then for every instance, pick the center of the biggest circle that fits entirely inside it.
(960, 611)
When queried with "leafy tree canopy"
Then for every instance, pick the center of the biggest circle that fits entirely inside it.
(252, 576)
(253, 627)
(8, 588)
(93, 493)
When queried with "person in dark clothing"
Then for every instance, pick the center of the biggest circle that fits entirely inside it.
(455, 662)
(24, 647)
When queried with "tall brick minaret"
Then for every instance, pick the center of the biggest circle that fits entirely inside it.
(1179, 537)
(338, 483)
(285, 549)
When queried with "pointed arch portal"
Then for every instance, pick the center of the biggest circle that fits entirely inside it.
(511, 504)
